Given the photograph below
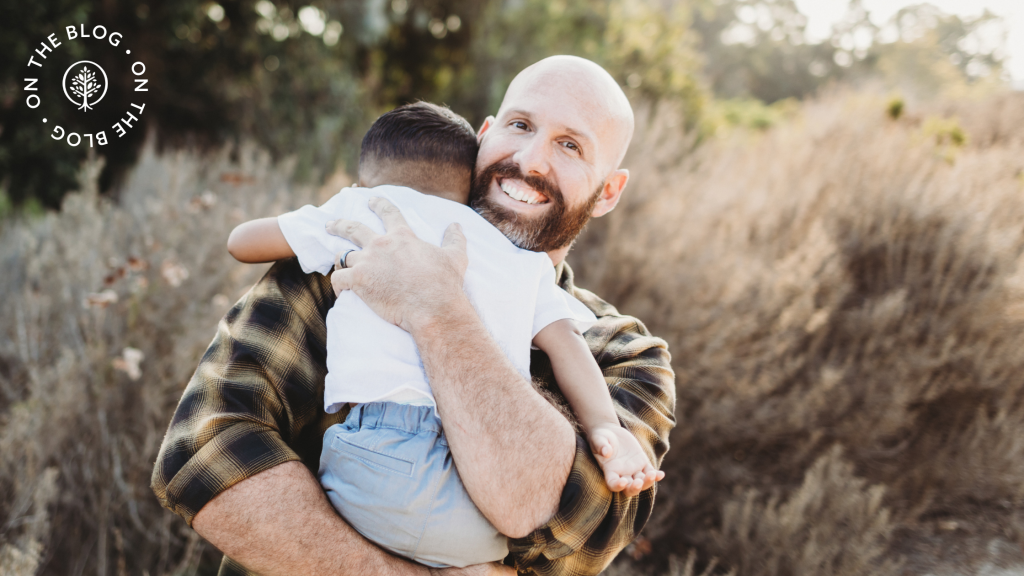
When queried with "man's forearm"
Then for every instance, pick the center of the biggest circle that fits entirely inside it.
(513, 449)
(280, 523)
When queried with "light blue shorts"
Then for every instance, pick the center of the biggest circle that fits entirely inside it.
(389, 473)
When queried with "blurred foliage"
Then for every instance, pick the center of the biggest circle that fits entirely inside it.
(749, 113)
(646, 46)
(306, 78)
(25, 25)
(945, 131)
(895, 108)
(759, 49)
(209, 80)
(923, 51)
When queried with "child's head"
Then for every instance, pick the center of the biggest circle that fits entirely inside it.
(422, 146)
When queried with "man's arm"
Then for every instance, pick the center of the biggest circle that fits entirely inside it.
(285, 506)
(591, 524)
(258, 241)
(514, 449)
(229, 463)
(280, 522)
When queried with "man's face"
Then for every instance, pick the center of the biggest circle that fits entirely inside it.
(544, 160)
(555, 227)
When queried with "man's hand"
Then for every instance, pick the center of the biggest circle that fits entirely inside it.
(490, 569)
(405, 280)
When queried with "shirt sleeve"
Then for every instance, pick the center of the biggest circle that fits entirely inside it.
(305, 230)
(554, 303)
(592, 524)
(256, 399)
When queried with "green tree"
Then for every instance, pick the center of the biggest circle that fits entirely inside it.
(306, 77)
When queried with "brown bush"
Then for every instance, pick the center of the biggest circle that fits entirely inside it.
(843, 296)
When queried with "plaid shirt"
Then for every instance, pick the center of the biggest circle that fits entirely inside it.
(256, 401)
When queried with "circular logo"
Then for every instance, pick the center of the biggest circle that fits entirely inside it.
(88, 84)
(106, 101)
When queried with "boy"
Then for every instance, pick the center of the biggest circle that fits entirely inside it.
(387, 469)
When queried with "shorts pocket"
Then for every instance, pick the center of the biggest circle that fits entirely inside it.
(373, 458)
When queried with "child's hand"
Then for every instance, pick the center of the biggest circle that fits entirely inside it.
(623, 460)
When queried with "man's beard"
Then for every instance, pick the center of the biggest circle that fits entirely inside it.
(553, 230)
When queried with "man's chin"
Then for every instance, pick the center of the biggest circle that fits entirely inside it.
(538, 227)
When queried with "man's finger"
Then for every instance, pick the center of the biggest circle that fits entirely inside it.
(341, 280)
(354, 258)
(360, 234)
(343, 259)
(454, 239)
(389, 213)
(454, 243)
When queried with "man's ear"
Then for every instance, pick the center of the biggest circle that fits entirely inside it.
(611, 192)
(484, 128)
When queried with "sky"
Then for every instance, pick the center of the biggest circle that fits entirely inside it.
(822, 14)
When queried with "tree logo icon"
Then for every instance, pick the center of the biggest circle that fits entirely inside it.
(85, 84)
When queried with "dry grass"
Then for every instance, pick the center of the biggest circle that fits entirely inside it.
(844, 280)
(107, 309)
(843, 296)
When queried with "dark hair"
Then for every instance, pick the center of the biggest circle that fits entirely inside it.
(421, 131)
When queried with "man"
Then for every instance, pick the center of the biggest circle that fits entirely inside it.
(235, 462)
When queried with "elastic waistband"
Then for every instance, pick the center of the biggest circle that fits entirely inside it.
(391, 415)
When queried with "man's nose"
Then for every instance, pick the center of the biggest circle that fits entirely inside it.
(534, 157)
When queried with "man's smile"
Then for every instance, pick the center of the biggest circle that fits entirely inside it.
(518, 190)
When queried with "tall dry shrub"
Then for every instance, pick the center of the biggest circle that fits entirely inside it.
(844, 279)
(107, 309)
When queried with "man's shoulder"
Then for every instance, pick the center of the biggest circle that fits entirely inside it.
(285, 288)
(597, 305)
(287, 275)
(566, 279)
(614, 333)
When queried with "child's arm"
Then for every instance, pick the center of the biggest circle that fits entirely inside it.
(259, 241)
(623, 460)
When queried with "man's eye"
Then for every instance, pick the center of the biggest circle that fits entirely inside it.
(571, 146)
(519, 124)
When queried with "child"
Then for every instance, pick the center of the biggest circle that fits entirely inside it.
(387, 469)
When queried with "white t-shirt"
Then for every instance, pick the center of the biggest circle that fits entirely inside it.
(372, 360)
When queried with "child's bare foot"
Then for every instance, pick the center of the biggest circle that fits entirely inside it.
(625, 465)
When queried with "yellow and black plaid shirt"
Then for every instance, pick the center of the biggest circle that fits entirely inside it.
(256, 401)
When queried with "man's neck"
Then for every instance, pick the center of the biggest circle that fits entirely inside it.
(558, 256)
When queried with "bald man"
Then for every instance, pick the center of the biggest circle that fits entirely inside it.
(237, 457)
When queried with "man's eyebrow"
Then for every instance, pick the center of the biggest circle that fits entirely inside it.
(587, 138)
(579, 135)
(517, 112)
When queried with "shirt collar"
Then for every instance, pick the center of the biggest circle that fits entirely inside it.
(564, 277)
